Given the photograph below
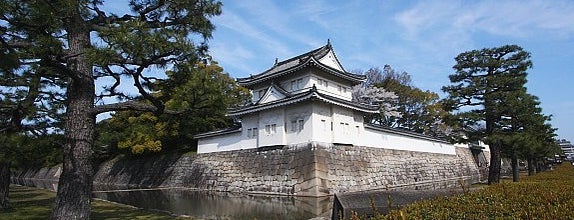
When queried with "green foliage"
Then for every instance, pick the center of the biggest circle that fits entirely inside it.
(524, 129)
(548, 195)
(199, 93)
(485, 82)
(26, 151)
(68, 48)
(481, 84)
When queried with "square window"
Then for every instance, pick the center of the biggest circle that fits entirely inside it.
(293, 125)
(297, 125)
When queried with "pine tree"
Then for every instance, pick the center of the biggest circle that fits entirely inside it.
(481, 85)
(524, 130)
(80, 44)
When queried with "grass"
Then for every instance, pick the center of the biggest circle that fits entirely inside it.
(32, 203)
(547, 195)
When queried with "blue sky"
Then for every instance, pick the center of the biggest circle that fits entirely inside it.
(418, 37)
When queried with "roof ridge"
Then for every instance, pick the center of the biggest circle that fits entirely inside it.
(312, 57)
(298, 57)
(307, 54)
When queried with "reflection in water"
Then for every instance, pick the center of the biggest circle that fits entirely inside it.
(214, 205)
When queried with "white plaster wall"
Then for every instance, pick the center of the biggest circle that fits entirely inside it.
(340, 89)
(359, 127)
(296, 112)
(226, 142)
(332, 86)
(306, 82)
(380, 139)
(344, 131)
(271, 117)
(322, 123)
(250, 122)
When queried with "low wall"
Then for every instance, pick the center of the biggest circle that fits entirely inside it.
(313, 169)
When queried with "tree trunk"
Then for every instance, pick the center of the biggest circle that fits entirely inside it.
(495, 148)
(495, 164)
(4, 185)
(74, 189)
(531, 167)
(514, 163)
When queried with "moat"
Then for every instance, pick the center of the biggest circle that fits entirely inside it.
(209, 204)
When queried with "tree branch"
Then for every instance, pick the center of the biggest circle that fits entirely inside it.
(131, 106)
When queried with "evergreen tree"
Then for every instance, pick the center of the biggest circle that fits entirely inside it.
(481, 85)
(78, 43)
(30, 108)
(202, 90)
(524, 129)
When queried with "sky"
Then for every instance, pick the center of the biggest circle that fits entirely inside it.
(418, 37)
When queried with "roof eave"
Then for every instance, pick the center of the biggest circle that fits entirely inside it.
(313, 93)
(311, 61)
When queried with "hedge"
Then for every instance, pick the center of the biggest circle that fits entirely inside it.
(547, 195)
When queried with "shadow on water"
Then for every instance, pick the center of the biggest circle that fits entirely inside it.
(210, 205)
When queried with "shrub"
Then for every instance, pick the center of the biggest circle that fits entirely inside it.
(548, 195)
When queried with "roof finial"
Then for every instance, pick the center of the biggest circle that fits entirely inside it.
(275, 61)
(328, 41)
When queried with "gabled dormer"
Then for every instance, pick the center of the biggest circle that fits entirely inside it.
(273, 93)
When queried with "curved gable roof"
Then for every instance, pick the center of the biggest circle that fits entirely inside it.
(315, 57)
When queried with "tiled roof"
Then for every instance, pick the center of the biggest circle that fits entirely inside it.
(403, 132)
(312, 94)
(297, 63)
(234, 129)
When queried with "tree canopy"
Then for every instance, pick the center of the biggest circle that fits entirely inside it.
(201, 90)
(70, 47)
(486, 84)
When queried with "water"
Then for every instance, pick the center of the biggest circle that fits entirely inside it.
(210, 205)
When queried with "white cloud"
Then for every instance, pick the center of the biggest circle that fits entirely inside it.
(233, 55)
(505, 18)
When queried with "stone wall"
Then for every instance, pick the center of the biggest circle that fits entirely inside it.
(352, 168)
(44, 173)
(313, 169)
